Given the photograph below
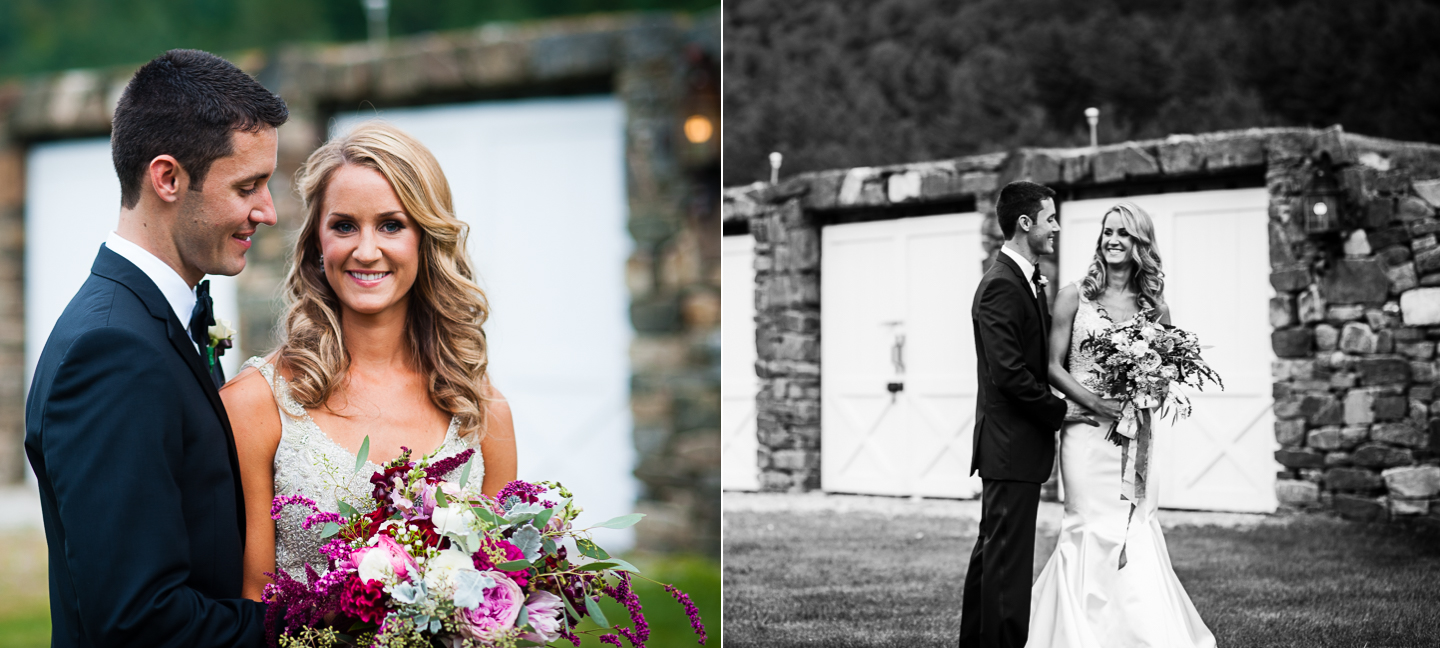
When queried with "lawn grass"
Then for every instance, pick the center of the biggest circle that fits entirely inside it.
(24, 590)
(25, 610)
(869, 579)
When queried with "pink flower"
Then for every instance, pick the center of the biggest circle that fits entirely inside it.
(497, 611)
(544, 610)
(383, 561)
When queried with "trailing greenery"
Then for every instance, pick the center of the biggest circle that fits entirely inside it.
(43, 35)
(864, 82)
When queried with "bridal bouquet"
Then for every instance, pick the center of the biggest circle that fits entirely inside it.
(1140, 360)
(437, 564)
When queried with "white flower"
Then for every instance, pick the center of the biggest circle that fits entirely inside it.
(1044, 281)
(441, 571)
(221, 331)
(1118, 339)
(452, 519)
(1139, 348)
(375, 565)
(1147, 333)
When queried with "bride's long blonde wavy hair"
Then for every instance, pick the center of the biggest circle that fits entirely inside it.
(1148, 279)
(447, 309)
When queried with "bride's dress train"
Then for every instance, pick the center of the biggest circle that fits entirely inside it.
(1082, 599)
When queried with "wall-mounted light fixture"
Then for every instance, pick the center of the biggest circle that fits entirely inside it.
(1320, 202)
(699, 129)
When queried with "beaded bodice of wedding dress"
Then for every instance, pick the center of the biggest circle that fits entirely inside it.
(309, 463)
(1088, 321)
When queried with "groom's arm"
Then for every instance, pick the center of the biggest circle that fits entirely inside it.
(999, 312)
(113, 440)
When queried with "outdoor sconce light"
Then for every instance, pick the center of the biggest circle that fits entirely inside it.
(1320, 202)
(698, 129)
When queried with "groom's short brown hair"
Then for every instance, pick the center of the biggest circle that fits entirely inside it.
(184, 104)
(1019, 198)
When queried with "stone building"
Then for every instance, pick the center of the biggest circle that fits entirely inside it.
(654, 77)
(1307, 258)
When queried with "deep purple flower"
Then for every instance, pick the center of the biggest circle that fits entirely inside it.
(690, 611)
(320, 518)
(439, 469)
(287, 500)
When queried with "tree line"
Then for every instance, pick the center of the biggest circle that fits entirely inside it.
(842, 83)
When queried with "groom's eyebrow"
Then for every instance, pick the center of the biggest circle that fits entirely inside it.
(254, 178)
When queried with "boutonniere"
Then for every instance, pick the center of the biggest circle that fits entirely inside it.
(222, 337)
(1044, 281)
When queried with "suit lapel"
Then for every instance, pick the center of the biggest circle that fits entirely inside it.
(112, 266)
(1032, 297)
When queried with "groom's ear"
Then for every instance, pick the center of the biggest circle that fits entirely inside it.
(166, 177)
(1024, 223)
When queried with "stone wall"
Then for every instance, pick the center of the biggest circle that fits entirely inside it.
(673, 275)
(1356, 319)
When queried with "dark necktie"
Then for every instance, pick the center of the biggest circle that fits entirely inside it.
(201, 319)
(1040, 301)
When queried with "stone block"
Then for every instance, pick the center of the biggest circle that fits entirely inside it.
(1422, 243)
(1327, 337)
(1355, 281)
(1374, 455)
(1361, 509)
(1385, 342)
(1292, 342)
(1310, 306)
(1290, 279)
(1402, 277)
(1288, 369)
(1382, 371)
(1421, 350)
(1232, 152)
(1300, 458)
(1290, 433)
(1359, 404)
(1075, 169)
(1338, 458)
(1341, 313)
(1423, 372)
(1325, 438)
(1357, 244)
(1428, 190)
(1387, 238)
(1378, 211)
(1394, 255)
(903, 187)
(1413, 482)
(1180, 155)
(1429, 280)
(1344, 380)
(1282, 311)
(1409, 333)
(1420, 306)
(1424, 393)
(1352, 480)
(1129, 161)
(1390, 408)
(1295, 492)
(1423, 226)
(1400, 507)
(1427, 260)
(1412, 208)
(1403, 433)
(1356, 338)
(1353, 435)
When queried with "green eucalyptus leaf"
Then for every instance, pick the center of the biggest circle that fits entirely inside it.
(625, 566)
(348, 511)
(440, 500)
(548, 545)
(363, 454)
(543, 518)
(622, 522)
(514, 565)
(589, 548)
(465, 472)
(330, 529)
(487, 516)
(596, 566)
(594, 609)
(568, 607)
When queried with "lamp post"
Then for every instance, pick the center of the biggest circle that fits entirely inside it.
(377, 13)
(775, 159)
(1092, 115)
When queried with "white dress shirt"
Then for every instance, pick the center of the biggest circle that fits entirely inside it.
(1026, 268)
(180, 294)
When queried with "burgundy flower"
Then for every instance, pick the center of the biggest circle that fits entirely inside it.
(363, 600)
(512, 552)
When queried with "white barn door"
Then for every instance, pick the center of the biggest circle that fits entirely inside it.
(1214, 246)
(542, 185)
(738, 446)
(72, 203)
(896, 308)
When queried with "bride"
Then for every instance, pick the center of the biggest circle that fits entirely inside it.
(382, 339)
(1082, 599)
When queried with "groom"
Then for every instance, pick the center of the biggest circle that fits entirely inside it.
(1016, 417)
(125, 430)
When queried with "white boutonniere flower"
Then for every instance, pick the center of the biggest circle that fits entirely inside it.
(221, 336)
(1044, 281)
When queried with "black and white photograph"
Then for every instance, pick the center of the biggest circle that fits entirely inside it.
(1080, 324)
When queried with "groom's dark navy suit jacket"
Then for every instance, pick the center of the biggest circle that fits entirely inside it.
(1016, 415)
(139, 483)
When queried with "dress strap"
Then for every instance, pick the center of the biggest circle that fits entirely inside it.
(278, 387)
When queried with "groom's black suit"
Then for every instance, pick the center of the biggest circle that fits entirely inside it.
(1016, 417)
(139, 483)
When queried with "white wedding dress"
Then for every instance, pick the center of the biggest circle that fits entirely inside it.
(309, 463)
(1082, 599)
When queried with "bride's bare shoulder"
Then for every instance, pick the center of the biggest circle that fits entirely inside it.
(250, 403)
(1067, 300)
